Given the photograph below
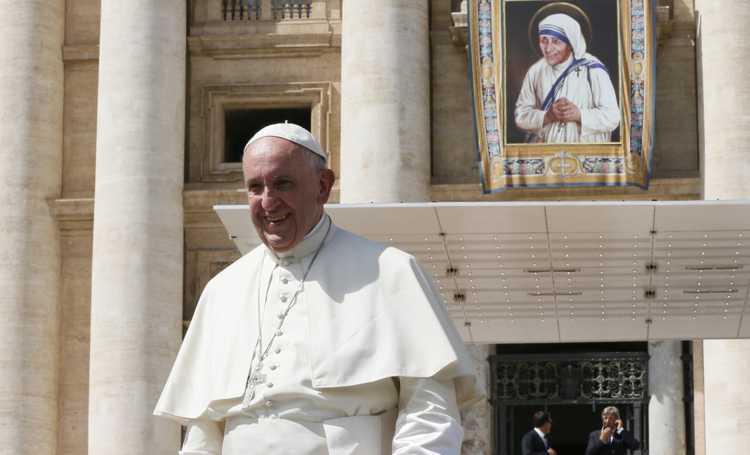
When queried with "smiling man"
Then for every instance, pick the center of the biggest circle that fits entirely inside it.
(308, 344)
(567, 96)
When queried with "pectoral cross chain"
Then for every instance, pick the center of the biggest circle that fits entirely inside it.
(252, 382)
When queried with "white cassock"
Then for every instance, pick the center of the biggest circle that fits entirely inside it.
(367, 361)
(589, 89)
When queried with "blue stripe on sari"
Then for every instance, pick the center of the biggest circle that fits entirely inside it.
(555, 34)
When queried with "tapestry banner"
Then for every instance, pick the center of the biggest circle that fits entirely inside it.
(563, 91)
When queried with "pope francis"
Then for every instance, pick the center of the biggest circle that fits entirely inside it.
(319, 341)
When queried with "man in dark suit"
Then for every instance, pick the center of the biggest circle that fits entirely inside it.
(612, 439)
(535, 442)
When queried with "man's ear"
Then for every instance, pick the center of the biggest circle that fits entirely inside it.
(327, 179)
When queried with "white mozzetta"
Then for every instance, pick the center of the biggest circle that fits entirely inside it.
(666, 410)
(385, 102)
(31, 109)
(136, 295)
(366, 290)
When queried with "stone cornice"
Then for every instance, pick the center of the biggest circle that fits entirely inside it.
(80, 52)
(659, 189)
(73, 214)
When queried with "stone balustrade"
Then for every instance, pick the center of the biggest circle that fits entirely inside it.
(253, 10)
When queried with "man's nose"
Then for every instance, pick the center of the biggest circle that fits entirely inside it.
(269, 199)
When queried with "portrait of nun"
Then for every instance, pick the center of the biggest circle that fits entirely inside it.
(567, 96)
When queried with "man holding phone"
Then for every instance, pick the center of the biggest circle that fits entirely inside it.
(613, 438)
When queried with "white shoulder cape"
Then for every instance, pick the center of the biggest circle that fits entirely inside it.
(373, 313)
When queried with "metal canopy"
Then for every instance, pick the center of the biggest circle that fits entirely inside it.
(567, 271)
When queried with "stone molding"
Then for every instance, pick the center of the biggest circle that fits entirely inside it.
(217, 98)
(78, 53)
(72, 214)
(659, 189)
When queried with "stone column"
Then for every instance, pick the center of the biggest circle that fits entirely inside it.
(724, 97)
(724, 100)
(726, 369)
(31, 110)
(666, 410)
(385, 101)
(136, 291)
(477, 419)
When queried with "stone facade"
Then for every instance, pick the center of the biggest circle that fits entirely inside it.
(247, 63)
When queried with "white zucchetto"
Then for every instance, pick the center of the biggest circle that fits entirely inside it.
(293, 133)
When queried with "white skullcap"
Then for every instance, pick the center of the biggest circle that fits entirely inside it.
(293, 133)
(566, 29)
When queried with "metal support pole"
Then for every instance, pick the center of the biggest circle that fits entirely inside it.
(637, 426)
(503, 411)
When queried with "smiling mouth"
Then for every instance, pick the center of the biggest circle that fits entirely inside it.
(276, 218)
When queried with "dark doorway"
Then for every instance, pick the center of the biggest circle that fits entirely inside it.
(240, 125)
(572, 424)
(572, 381)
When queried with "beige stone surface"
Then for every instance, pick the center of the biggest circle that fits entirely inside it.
(676, 127)
(477, 419)
(82, 22)
(75, 331)
(725, 97)
(31, 108)
(79, 119)
(137, 266)
(726, 368)
(454, 150)
(684, 10)
(385, 110)
(666, 408)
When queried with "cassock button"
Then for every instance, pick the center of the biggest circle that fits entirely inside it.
(269, 403)
(282, 298)
(280, 315)
(279, 333)
(284, 280)
(277, 349)
(270, 384)
(272, 367)
(285, 263)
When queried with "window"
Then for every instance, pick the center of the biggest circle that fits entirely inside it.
(240, 125)
(232, 114)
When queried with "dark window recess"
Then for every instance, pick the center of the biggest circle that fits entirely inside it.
(242, 124)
